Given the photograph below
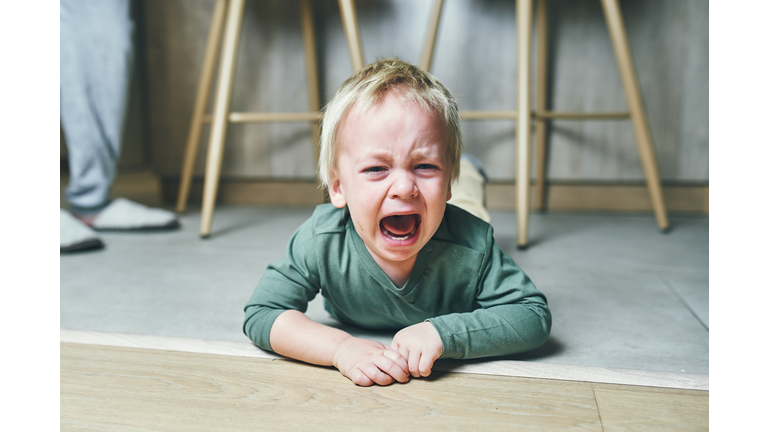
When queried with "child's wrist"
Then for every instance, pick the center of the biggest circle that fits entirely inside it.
(340, 347)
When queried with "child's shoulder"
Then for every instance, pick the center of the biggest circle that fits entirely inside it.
(463, 228)
(327, 219)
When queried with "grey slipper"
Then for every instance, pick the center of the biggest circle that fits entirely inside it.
(75, 236)
(124, 215)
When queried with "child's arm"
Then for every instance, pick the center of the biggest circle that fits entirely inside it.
(510, 316)
(363, 361)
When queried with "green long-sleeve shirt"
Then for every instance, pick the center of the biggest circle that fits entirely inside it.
(478, 299)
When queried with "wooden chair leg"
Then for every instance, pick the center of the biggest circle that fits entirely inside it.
(618, 34)
(429, 43)
(201, 100)
(220, 112)
(540, 131)
(349, 20)
(524, 118)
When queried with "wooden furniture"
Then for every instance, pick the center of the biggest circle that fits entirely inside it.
(227, 18)
(540, 115)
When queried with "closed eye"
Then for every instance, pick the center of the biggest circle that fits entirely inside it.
(375, 169)
(427, 167)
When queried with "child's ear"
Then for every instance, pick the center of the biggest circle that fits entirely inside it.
(449, 192)
(336, 193)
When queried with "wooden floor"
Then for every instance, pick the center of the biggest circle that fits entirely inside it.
(117, 388)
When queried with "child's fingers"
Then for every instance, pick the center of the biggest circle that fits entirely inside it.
(425, 365)
(358, 377)
(403, 351)
(398, 358)
(392, 367)
(413, 363)
(376, 375)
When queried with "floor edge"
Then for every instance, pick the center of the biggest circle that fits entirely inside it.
(494, 367)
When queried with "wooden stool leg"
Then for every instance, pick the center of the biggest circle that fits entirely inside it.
(349, 20)
(220, 112)
(313, 88)
(647, 156)
(540, 123)
(429, 42)
(310, 61)
(523, 117)
(201, 100)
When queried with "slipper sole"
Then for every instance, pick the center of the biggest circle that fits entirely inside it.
(87, 245)
(172, 225)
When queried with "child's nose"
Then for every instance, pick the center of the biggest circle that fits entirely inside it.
(403, 187)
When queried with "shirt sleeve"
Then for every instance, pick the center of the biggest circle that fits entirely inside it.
(287, 284)
(512, 315)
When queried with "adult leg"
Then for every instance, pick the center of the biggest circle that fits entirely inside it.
(96, 68)
(96, 59)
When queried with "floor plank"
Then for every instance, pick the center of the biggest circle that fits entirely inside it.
(644, 408)
(115, 388)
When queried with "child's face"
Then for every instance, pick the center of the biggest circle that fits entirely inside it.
(393, 174)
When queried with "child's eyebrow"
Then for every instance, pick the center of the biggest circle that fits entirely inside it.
(425, 154)
(387, 155)
(375, 155)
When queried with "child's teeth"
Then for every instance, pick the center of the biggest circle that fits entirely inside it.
(396, 237)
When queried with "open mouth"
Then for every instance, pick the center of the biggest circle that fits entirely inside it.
(400, 227)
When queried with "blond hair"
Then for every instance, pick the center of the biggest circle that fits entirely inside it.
(367, 87)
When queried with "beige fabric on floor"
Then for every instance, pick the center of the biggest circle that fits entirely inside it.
(468, 192)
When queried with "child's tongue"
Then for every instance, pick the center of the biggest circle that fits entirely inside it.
(399, 225)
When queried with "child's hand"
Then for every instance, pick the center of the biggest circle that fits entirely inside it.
(366, 362)
(421, 345)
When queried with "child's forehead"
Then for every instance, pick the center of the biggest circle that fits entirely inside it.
(393, 119)
(363, 112)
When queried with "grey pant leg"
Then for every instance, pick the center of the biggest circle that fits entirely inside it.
(96, 59)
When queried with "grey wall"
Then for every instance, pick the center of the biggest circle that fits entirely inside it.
(475, 57)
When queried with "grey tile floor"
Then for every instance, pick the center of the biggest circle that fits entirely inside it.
(622, 295)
